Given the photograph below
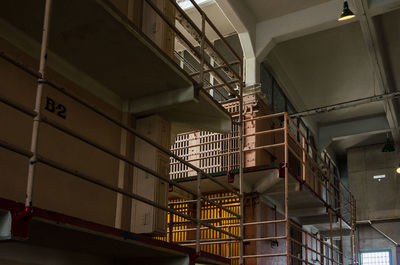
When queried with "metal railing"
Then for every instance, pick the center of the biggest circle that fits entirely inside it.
(299, 161)
(202, 49)
(231, 77)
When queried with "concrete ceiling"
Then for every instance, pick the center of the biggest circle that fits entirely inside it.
(275, 8)
(319, 61)
(326, 68)
(217, 17)
(389, 28)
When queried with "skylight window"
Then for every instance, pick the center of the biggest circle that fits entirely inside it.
(375, 258)
(185, 4)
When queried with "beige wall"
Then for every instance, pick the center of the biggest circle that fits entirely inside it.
(54, 190)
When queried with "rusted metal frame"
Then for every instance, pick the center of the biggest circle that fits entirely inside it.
(128, 161)
(221, 218)
(304, 156)
(269, 116)
(121, 125)
(260, 256)
(340, 228)
(207, 242)
(18, 107)
(195, 53)
(221, 85)
(202, 49)
(264, 132)
(15, 149)
(287, 224)
(182, 37)
(131, 195)
(203, 158)
(194, 26)
(144, 138)
(311, 249)
(193, 69)
(113, 154)
(316, 151)
(38, 104)
(241, 165)
(264, 147)
(330, 216)
(296, 155)
(20, 65)
(206, 143)
(311, 235)
(265, 222)
(236, 225)
(264, 238)
(299, 259)
(171, 225)
(183, 202)
(214, 68)
(204, 228)
(75, 173)
(202, 153)
(198, 214)
(216, 30)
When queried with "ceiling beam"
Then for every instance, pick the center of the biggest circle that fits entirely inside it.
(377, 59)
(352, 128)
(303, 22)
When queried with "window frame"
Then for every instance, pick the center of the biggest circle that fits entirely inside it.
(376, 251)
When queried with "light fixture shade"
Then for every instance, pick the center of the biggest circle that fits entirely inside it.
(347, 13)
(388, 147)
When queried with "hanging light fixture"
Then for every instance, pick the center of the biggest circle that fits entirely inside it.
(346, 13)
(398, 169)
(389, 146)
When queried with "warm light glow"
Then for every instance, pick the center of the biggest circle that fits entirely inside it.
(346, 13)
(346, 18)
(398, 170)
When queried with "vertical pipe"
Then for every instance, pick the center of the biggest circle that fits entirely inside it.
(203, 35)
(331, 234)
(39, 90)
(287, 190)
(171, 226)
(198, 213)
(241, 128)
(306, 247)
(330, 213)
(304, 158)
(340, 224)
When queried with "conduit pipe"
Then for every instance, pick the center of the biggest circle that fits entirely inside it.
(39, 90)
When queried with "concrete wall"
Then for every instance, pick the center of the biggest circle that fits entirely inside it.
(53, 189)
(377, 201)
(371, 240)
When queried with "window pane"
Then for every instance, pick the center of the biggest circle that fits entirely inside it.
(375, 258)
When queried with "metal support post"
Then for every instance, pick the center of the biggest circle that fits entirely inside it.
(198, 214)
(39, 90)
(203, 36)
(287, 190)
(306, 247)
(241, 129)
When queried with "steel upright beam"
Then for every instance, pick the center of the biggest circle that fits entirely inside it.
(241, 129)
(38, 101)
(287, 189)
(198, 213)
